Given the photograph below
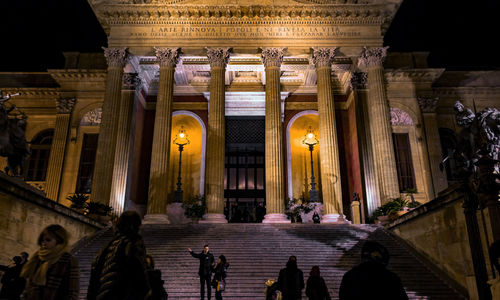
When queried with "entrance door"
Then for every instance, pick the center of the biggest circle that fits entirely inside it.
(244, 180)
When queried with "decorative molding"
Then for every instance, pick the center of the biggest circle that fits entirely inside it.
(77, 75)
(359, 80)
(34, 92)
(400, 117)
(92, 118)
(427, 105)
(413, 75)
(167, 57)
(323, 57)
(218, 57)
(130, 81)
(372, 57)
(65, 105)
(116, 57)
(273, 57)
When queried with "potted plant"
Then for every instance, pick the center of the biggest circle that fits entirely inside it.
(99, 211)
(390, 210)
(195, 207)
(296, 208)
(78, 202)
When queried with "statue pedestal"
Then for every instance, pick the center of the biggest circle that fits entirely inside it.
(176, 215)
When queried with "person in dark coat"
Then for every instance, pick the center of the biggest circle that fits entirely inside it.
(158, 292)
(371, 279)
(12, 283)
(119, 270)
(207, 262)
(52, 273)
(220, 273)
(316, 288)
(291, 280)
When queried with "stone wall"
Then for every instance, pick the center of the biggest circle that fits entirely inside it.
(24, 212)
(438, 231)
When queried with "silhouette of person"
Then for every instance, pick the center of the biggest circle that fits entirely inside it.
(291, 280)
(370, 279)
(207, 262)
(316, 287)
(495, 259)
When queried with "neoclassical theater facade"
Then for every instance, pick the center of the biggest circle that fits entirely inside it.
(239, 85)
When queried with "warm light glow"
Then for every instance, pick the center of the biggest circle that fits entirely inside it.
(310, 135)
(181, 138)
(181, 135)
(310, 138)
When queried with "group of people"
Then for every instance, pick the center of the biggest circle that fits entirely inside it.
(122, 270)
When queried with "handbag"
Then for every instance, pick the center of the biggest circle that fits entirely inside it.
(221, 285)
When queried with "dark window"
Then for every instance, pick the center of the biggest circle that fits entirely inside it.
(40, 153)
(404, 164)
(86, 168)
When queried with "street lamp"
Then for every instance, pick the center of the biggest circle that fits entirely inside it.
(180, 140)
(311, 140)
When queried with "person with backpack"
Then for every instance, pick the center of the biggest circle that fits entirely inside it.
(291, 280)
(158, 292)
(219, 280)
(119, 270)
(316, 288)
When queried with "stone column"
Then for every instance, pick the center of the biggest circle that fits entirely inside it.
(158, 189)
(122, 153)
(104, 161)
(428, 109)
(329, 147)
(380, 125)
(275, 173)
(58, 148)
(369, 175)
(216, 142)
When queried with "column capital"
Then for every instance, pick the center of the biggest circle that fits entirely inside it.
(218, 57)
(359, 80)
(427, 105)
(116, 57)
(372, 57)
(272, 57)
(65, 105)
(168, 57)
(130, 81)
(323, 57)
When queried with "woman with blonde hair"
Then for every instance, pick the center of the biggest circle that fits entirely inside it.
(52, 272)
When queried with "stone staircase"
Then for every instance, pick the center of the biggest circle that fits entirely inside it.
(256, 252)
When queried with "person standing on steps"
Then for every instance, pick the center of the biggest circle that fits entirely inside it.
(291, 280)
(207, 262)
(220, 273)
(316, 287)
(370, 279)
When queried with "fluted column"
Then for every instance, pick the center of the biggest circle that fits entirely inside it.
(275, 174)
(329, 150)
(428, 109)
(122, 153)
(58, 148)
(214, 175)
(158, 178)
(370, 183)
(106, 144)
(380, 126)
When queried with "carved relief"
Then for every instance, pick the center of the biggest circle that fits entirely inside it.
(272, 57)
(400, 117)
(359, 80)
(427, 105)
(323, 57)
(65, 105)
(372, 57)
(218, 57)
(168, 57)
(92, 118)
(116, 57)
(130, 81)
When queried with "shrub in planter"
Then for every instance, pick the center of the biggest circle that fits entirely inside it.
(296, 208)
(195, 207)
(99, 211)
(78, 202)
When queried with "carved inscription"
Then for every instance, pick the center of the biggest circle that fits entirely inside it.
(235, 32)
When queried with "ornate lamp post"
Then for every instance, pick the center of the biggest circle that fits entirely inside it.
(311, 140)
(180, 140)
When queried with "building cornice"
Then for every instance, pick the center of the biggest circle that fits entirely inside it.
(413, 75)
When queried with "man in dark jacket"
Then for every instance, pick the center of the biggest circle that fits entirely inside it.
(119, 270)
(371, 279)
(207, 261)
(12, 283)
(291, 280)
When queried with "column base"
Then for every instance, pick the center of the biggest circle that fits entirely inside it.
(334, 218)
(214, 219)
(275, 219)
(156, 219)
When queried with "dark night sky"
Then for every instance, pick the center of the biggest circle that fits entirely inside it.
(458, 34)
